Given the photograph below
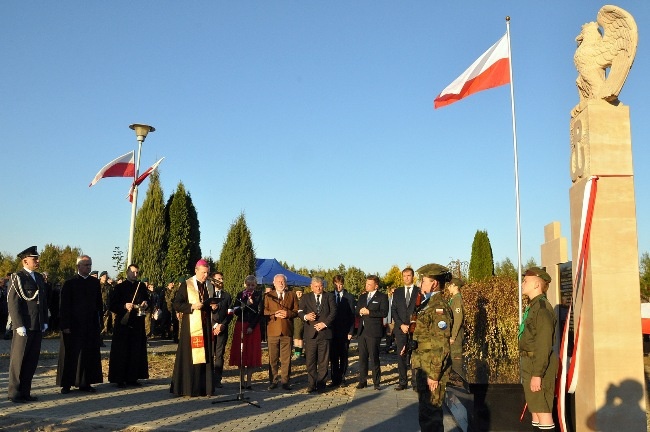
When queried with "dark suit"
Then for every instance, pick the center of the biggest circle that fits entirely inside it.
(27, 304)
(317, 343)
(401, 314)
(342, 327)
(371, 330)
(220, 316)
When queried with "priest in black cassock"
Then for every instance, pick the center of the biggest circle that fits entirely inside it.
(80, 311)
(128, 360)
(194, 361)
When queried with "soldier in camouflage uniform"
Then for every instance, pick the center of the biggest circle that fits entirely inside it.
(108, 316)
(430, 359)
(536, 339)
(457, 330)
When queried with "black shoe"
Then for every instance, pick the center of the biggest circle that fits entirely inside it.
(249, 387)
(65, 390)
(286, 386)
(88, 389)
(17, 400)
(362, 385)
(134, 383)
(121, 385)
(273, 385)
(218, 385)
(311, 389)
(333, 384)
(30, 398)
(377, 387)
(400, 387)
(343, 383)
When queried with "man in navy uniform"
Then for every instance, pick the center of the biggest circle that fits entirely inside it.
(27, 303)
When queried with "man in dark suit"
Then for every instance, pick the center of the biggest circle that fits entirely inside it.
(27, 304)
(220, 322)
(402, 309)
(318, 310)
(342, 329)
(372, 307)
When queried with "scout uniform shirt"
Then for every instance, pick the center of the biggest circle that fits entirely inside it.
(537, 335)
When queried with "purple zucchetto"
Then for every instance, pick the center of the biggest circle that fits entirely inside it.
(202, 263)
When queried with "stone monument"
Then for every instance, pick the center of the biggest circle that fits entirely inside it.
(610, 392)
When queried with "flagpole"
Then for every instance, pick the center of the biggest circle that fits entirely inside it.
(141, 131)
(514, 140)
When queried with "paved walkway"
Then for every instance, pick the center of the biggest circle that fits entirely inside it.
(151, 407)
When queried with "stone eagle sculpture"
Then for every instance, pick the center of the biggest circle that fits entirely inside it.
(615, 49)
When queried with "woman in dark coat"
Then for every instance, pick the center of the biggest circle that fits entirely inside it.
(250, 302)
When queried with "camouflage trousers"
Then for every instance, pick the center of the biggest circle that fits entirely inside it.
(430, 403)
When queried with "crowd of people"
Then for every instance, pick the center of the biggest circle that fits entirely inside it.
(423, 327)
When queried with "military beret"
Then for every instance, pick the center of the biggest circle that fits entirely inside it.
(29, 252)
(299, 288)
(432, 270)
(181, 279)
(94, 273)
(145, 280)
(457, 281)
(104, 273)
(539, 272)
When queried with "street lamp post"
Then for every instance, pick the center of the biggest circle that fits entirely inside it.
(141, 131)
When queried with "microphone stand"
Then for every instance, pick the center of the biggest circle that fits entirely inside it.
(240, 396)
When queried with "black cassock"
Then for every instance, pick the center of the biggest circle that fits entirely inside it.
(80, 362)
(192, 379)
(128, 360)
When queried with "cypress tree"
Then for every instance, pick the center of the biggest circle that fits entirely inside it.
(195, 234)
(150, 236)
(481, 265)
(237, 259)
(178, 240)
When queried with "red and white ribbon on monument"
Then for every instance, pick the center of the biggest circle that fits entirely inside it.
(567, 379)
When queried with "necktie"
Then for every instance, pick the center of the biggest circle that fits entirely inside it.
(369, 298)
(318, 304)
(338, 298)
(281, 296)
(408, 295)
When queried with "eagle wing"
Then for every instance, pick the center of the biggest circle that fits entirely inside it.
(617, 49)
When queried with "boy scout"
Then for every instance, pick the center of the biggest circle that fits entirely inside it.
(430, 358)
(536, 340)
(458, 330)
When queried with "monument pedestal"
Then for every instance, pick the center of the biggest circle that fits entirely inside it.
(611, 386)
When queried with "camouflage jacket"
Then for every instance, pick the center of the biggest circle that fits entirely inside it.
(107, 289)
(538, 334)
(432, 333)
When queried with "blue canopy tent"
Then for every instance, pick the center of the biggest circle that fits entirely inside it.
(266, 269)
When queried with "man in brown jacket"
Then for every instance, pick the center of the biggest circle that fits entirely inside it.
(281, 307)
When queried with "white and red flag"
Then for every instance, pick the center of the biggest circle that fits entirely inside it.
(123, 166)
(142, 177)
(492, 69)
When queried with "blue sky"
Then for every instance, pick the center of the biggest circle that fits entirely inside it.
(314, 118)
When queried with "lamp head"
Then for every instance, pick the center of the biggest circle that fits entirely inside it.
(141, 130)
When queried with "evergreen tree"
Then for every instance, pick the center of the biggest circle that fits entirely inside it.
(195, 234)
(644, 276)
(179, 250)
(481, 264)
(237, 259)
(150, 236)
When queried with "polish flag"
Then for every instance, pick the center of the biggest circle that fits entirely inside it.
(141, 178)
(123, 166)
(492, 69)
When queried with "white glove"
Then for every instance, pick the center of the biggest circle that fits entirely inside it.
(22, 331)
(44, 327)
